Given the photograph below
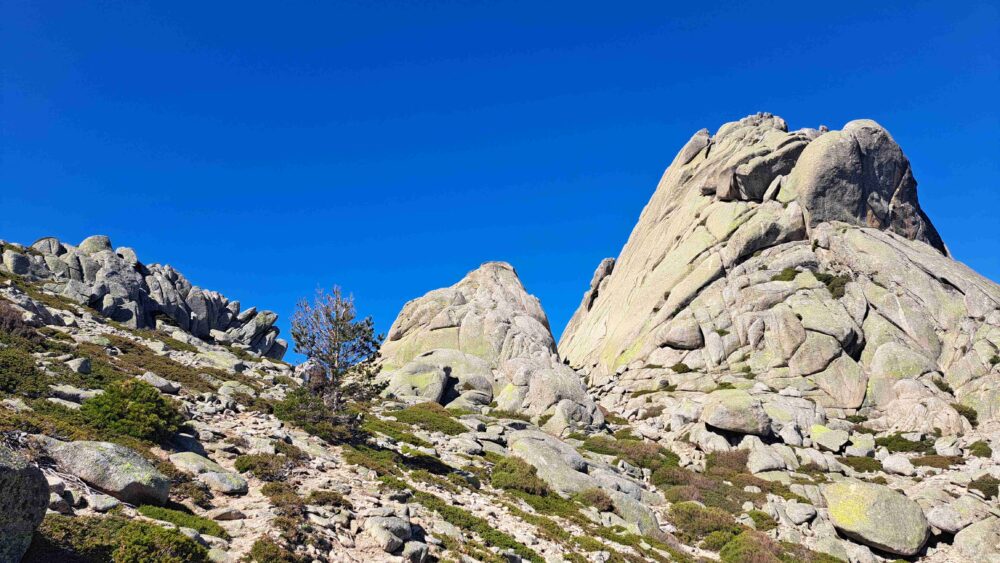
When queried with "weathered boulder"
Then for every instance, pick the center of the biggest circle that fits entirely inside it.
(24, 498)
(114, 469)
(735, 410)
(877, 516)
(210, 473)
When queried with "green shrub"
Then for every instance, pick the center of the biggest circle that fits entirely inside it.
(394, 430)
(284, 498)
(264, 467)
(383, 462)
(596, 498)
(939, 461)
(680, 367)
(266, 550)
(968, 412)
(835, 284)
(183, 487)
(111, 538)
(694, 521)
(786, 275)
(856, 418)
(943, 385)
(762, 520)
(308, 411)
(715, 541)
(328, 498)
(980, 448)
(15, 332)
(897, 443)
(724, 385)
(184, 520)
(18, 373)
(134, 408)
(512, 473)
(290, 451)
(987, 484)
(431, 417)
(647, 455)
(726, 463)
(862, 464)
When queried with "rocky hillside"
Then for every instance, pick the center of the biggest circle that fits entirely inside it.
(783, 364)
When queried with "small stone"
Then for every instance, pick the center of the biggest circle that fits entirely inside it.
(898, 464)
(79, 365)
(414, 552)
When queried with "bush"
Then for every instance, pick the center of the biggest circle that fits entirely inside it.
(968, 412)
(266, 550)
(695, 521)
(264, 467)
(835, 284)
(394, 430)
(596, 498)
(987, 484)
(786, 275)
(716, 540)
(134, 408)
(184, 520)
(862, 464)
(431, 417)
(14, 331)
(512, 473)
(943, 385)
(762, 520)
(680, 367)
(328, 498)
(18, 373)
(726, 463)
(980, 448)
(115, 539)
(939, 461)
(309, 412)
(897, 443)
(647, 455)
(284, 498)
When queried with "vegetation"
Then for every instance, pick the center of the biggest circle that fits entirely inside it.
(134, 408)
(897, 443)
(834, 283)
(943, 385)
(762, 520)
(596, 498)
(264, 467)
(754, 547)
(939, 461)
(694, 522)
(309, 412)
(431, 417)
(512, 473)
(862, 464)
(394, 430)
(284, 498)
(344, 351)
(647, 455)
(18, 373)
(987, 484)
(786, 275)
(680, 367)
(980, 448)
(968, 412)
(112, 538)
(328, 498)
(266, 550)
(183, 519)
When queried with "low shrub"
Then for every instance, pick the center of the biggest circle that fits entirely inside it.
(512, 473)
(264, 467)
(266, 550)
(110, 538)
(394, 430)
(980, 448)
(14, 331)
(695, 522)
(987, 484)
(939, 461)
(431, 417)
(862, 464)
(184, 520)
(968, 412)
(18, 373)
(785, 275)
(726, 463)
(835, 284)
(897, 443)
(680, 367)
(328, 498)
(716, 540)
(308, 411)
(134, 408)
(284, 498)
(762, 520)
(596, 498)
(943, 385)
(647, 455)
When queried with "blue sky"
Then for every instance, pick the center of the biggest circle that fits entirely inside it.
(392, 147)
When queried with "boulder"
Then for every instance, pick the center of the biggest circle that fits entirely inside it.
(114, 469)
(210, 473)
(978, 542)
(735, 410)
(859, 510)
(22, 504)
(389, 532)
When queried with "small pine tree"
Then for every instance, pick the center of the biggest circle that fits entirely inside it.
(343, 349)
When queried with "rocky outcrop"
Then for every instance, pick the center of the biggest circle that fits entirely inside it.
(22, 504)
(112, 468)
(119, 286)
(485, 340)
(801, 260)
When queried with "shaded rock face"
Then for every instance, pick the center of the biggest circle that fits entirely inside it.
(802, 259)
(483, 340)
(22, 504)
(120, 287)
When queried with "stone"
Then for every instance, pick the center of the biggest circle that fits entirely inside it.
(225, 514)
(210, 473)
(978, 542)
(161, 384)
(858, 510)
(389, 532)
(832, 440)
(102, 503)
(16, 263)
(799, 513)
(898, 464)
(414, 552)
(79, 365)
(111, 468)
(22, 504)
(736, 411)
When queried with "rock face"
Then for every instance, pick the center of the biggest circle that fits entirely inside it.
(803, 260)
(22, 504)
(115, 283)
(114, 469)
(482, 340)
(877, 516)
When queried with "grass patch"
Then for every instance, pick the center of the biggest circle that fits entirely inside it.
(184, 520)
(786, 275)
(264, 467)
(980, 448)
(862, 464)
(512, 473)
(897, 443)
(987, 484)
(112, 538)
(939, 461)
(680, 367)
(431, 417)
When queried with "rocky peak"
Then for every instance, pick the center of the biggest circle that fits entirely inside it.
(115, 283)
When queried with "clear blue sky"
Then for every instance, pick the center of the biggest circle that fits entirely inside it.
(390, 148)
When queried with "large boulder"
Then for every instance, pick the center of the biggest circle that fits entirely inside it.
(114, 469)
(24, 498)
(485, 339)
(877, 516)
(210, 473)
(736, 410)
